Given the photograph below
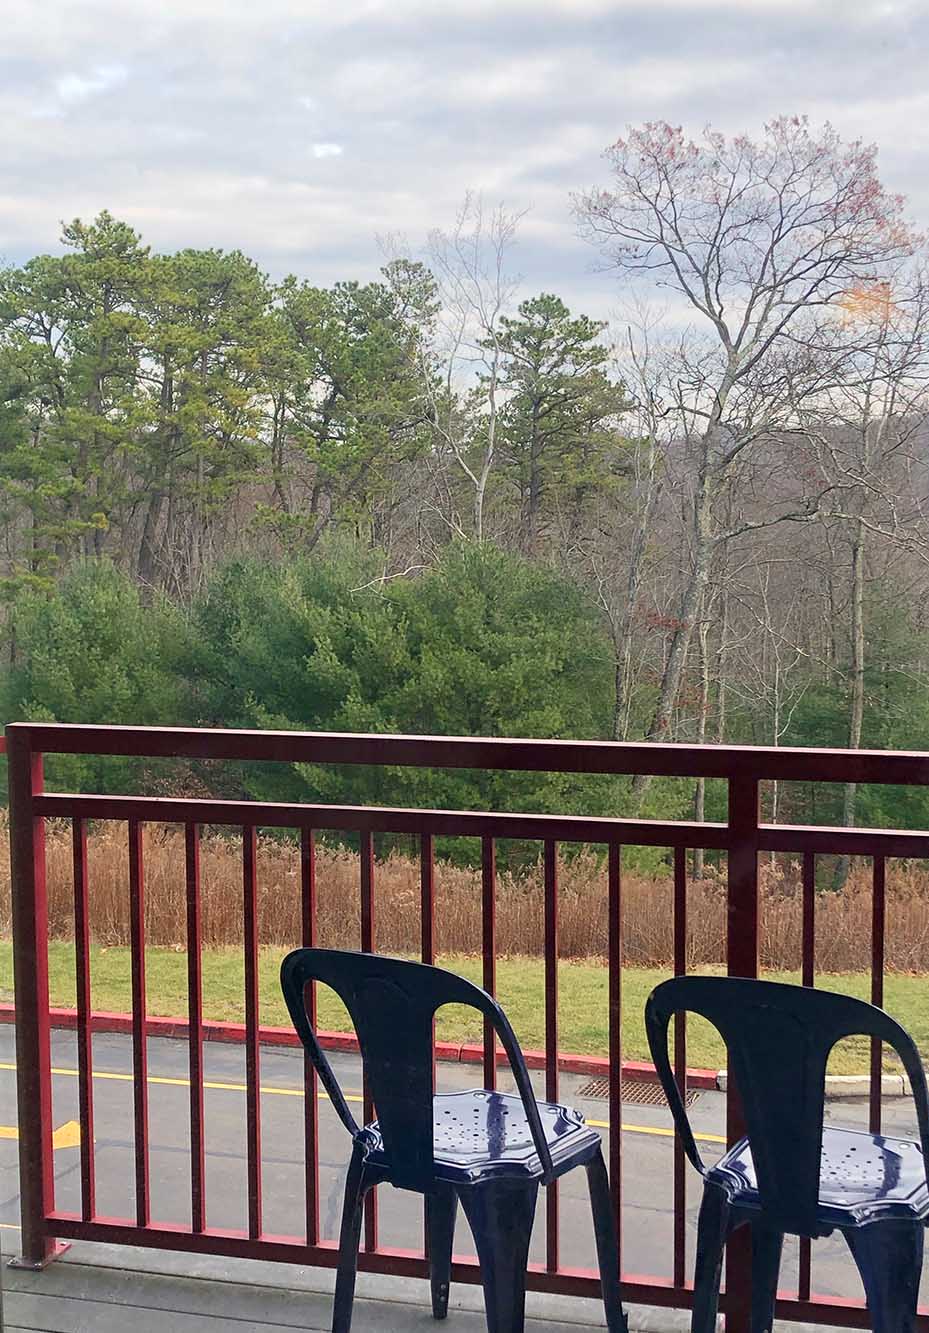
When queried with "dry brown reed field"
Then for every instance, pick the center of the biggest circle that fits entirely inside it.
(843, 920)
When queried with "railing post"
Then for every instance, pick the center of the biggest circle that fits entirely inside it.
(741, 961)
(30, 969)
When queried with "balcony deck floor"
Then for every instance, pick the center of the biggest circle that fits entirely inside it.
(89, 1291)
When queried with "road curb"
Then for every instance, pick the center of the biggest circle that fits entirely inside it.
(839, 1087)
(590, 1066)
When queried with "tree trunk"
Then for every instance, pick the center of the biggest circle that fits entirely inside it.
(479, 511)
(480, 487)
(700, 790)
(622, 638)
(622, 634)
(621, 652)
(690, 609)
(856, 715)
(148, 557)
(534, 498)
(775, 785)
(721, 672)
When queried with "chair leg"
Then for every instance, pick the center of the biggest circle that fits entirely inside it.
(601, 1205)
(349, 1238)
(441, 1208)
(712, 1230)
(889, 1257)
(766, 1266)
(500, 1215)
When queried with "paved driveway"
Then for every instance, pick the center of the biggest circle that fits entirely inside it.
(647, 1154)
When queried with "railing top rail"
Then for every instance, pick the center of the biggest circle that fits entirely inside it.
(384, 819)
(909, 768)
(597, 829)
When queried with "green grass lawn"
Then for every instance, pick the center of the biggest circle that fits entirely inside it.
(582, 1007)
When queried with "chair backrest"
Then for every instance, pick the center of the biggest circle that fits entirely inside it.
(392, 1004)
(778, 1039)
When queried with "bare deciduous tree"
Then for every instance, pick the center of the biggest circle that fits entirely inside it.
(757, 242)
(475, 292)
(866, 432)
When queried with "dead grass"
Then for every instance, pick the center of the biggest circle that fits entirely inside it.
(843, 935)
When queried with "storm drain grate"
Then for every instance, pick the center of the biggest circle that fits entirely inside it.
(638, 1093)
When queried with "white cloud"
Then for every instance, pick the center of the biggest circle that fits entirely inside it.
(215, 138)
(78, 87)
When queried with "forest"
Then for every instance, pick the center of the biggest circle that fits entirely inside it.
(438, 502)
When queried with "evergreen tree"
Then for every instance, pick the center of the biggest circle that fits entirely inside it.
(560, 425)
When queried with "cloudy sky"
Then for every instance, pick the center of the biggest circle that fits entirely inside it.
(298, 131)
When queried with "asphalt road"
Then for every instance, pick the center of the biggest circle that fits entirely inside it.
(647, 1155)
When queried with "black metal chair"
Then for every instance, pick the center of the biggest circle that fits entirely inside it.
(489, 1150)
(793, 1174)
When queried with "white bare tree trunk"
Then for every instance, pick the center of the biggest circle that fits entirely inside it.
(856, 702)
(703, 658)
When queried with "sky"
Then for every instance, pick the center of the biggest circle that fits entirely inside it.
(302, 132)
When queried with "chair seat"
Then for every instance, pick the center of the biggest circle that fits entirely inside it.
(863, 1178)
(478, 1134)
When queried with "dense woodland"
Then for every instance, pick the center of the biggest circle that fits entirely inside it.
(438, 502)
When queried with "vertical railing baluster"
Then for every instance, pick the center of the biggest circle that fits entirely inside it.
(807, 976)
(252, 1036)
(680, 1064)
(551, 1033)
(808, 929)
(427, 952)
(367, 945)
(615, 1006)
(30, 965)
(878, 924)
(308, 918)
(741, 961)
(489, 950)
(84, 1009)
(139, 1024)
(195, 1026)
(427, 897)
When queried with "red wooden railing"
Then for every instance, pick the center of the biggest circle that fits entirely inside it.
(741, 838)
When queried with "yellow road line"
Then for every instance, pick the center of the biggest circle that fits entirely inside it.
(653, 1129)
(271, 1091)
